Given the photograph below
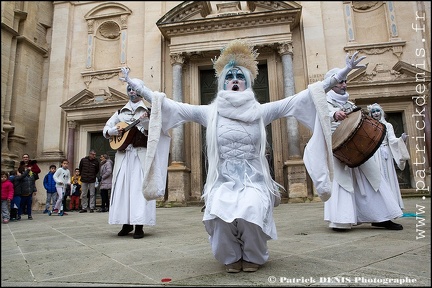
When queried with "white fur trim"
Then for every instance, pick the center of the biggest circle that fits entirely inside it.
(322, 175)
(156, 160)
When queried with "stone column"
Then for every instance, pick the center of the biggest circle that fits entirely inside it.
(178, 173)
(294, 166)
(71, 145)
(54, 128)
(285, 50)
(177, 154)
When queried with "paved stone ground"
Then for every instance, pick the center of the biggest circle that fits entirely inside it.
(84, 250)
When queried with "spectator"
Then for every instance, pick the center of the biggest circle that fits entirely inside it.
(33, 163)
(78, 177)
(75, 194)
(25, 186)
(88, 168)
(105, 173)
(7, 193)
(16, 201)
(35, 169)
(50, 187)
(62, 179)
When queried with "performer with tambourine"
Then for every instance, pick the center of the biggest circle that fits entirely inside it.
(359, 194)
(127, 132)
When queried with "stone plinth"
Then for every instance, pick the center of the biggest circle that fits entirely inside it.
(179, 182)
(296, 178)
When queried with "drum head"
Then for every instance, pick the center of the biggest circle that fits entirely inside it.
(346, 128)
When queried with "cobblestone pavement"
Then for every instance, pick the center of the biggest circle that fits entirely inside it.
(84, 250)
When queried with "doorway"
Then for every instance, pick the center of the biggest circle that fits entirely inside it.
(101, 145)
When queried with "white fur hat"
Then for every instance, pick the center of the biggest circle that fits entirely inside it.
(332, 72)
(137, 83)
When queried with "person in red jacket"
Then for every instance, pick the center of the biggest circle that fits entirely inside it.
(7, 193)
(33, 163)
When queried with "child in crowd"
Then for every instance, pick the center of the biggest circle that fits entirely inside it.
(75, 195)
(78, 177)
(16, 201)
(62, 179)
(7, 193)
(50, 187)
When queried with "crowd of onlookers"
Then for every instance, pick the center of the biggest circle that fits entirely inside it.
(64, 190)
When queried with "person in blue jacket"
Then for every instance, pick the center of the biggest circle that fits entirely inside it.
(50, 187)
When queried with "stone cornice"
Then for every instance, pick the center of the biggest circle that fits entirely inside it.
(381, 75)
(228, 23)
(87, 100)
(88, 76)
(33, 45)
(9, 29)
(377, 48)
(189, 10)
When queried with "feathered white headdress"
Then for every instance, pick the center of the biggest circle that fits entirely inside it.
(237, 53)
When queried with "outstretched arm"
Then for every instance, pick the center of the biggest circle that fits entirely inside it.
(138, 87)
(352, 62)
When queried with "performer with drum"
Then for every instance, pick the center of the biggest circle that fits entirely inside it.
(359, 194)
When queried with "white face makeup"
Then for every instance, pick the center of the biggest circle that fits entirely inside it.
(376, 113)
(133, 96)
(340, 88)
(235, 80)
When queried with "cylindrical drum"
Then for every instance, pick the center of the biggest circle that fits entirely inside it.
(357, 138)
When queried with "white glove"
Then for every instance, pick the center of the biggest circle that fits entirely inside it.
(138, 86)
(133, 83)
(113, 131)
(125, 77)
(404, 136)
(351, 63)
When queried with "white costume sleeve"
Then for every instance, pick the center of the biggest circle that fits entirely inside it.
(156, 160)
(165, 115)
(309, 107)
(398, 148)
(110, 124)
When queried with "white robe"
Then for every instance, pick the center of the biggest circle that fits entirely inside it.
(360, 194)
(392, 150)
(127, 203)
(240, 190)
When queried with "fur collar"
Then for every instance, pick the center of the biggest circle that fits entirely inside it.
(238, 105)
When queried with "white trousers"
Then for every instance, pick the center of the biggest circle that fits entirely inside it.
(237, 240)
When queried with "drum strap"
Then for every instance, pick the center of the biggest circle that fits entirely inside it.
(347, 107)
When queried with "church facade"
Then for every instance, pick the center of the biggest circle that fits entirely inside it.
(61, 65)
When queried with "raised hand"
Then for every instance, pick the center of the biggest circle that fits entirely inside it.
(352, 63)
(125, 71)
(136, 84)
